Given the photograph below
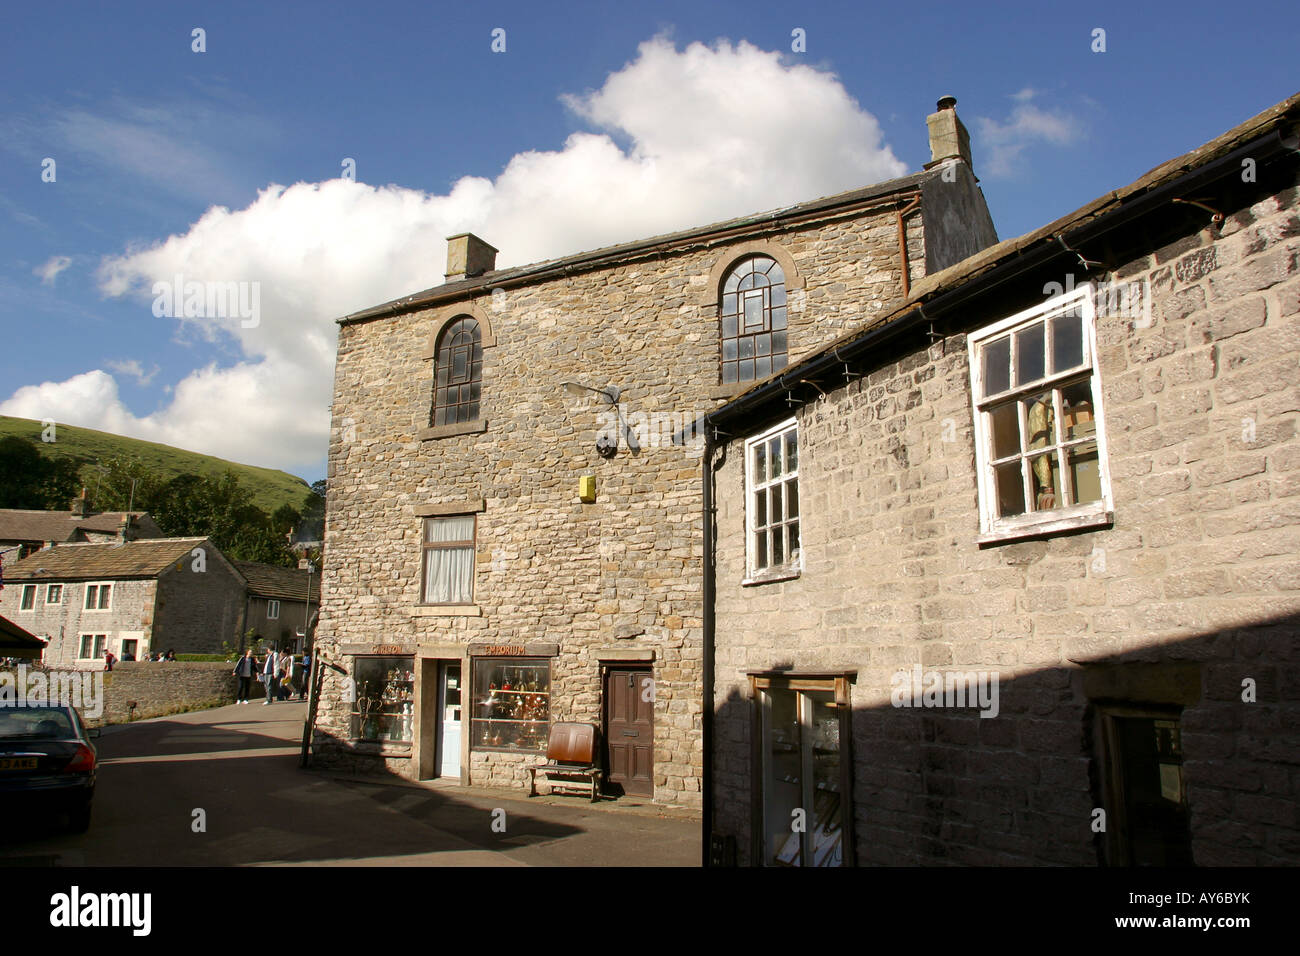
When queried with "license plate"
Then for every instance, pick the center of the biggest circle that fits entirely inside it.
(17, 763)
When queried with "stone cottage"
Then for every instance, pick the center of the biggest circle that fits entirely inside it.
(24, 531)
(1009, 574)
(513, 535)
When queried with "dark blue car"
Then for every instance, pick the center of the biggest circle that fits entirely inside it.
(47, 762)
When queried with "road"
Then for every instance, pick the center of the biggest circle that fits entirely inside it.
(235, 770)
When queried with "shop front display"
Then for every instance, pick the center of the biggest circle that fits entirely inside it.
(511, 704)
(384, 708)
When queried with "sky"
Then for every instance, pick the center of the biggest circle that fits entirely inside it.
(309, 160)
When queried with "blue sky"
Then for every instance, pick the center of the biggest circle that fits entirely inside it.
(598, 123)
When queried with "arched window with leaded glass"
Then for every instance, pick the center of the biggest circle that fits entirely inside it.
(753, 320)
(458, 373)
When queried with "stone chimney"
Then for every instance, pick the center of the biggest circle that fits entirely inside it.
(948, 136)
(468, 256)
(127, 530)
(80, 506)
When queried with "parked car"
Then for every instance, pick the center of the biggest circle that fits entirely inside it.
(47, 762)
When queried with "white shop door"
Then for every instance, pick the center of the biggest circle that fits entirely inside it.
(449, 718)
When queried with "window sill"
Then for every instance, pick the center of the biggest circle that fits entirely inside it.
(782, 572)
(447, 431)
(387, 748)
(446, 610)
(1043, 528)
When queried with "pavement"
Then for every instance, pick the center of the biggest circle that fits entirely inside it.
(223, 787)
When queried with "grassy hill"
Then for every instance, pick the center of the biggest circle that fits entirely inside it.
(269, 488)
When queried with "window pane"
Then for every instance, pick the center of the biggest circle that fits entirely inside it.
(792, 498)
(729, 286)
(783, 771)
(775, 273)
(1067, 341)
(778, 547)
(747, 346)
(777, 295)
(1040, 426)
(459, 528)
(774, 456)
(778, 343)
(728, 373)
(746, 367)
(777, 510)
(778, 318)
(1011, 489)
(459, 365)
(791, 451)
(1085, 474)
(1029, 354)
(825, 829)
(762, 367)
(1004, 428)
(1076, 410)
(997, 366)
(728, 326)
(760, 540)
(794, 537)
(763, 344)
(760, 509)
(1045, 479)
(760, 463)
(105, 595)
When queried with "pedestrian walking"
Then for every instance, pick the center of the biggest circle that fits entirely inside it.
(268, 677)
(305, 686)
(284, 669)
(245, 670)
(109, 660)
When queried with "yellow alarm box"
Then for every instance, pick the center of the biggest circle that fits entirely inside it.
(587, 488)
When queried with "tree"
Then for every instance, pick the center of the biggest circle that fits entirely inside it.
(30, 480)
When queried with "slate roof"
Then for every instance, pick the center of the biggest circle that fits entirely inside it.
(22, 525)
(91, 562)
(286, 584)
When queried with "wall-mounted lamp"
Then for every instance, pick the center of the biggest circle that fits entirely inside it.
(606, 446)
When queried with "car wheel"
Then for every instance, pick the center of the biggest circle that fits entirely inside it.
(79, 820)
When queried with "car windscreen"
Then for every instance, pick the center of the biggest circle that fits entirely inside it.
(35, 723)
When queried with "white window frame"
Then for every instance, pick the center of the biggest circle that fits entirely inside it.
(792, 566)
(49, 588)
(272, 610)
(994, 528)
(469, 545)
(95, 645)
(99, 591)
(24, 605)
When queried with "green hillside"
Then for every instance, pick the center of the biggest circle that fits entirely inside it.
(269, 488)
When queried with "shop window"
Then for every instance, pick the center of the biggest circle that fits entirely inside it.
(384, 708)
(1039, 438)
(458, 373)
(772, 497)
(752, 320)
(99, 597)
(28, 600)
(272, 610)
(804, 727)
(54, 594)
(92, 646)
(512, 704)
(449, 560)
(1143, 790)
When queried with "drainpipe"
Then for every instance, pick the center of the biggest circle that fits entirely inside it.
(706, 718)
(902, 214)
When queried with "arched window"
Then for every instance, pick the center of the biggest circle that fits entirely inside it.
(458, 373)
(752, 320)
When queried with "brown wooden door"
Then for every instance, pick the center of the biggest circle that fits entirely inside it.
(630, 731)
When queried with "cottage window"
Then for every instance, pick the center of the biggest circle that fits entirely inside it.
(92, 646)
(28, 598)
(772, 496)
(272, 610)
(753, 320)
(99, 597)
(449, 560)
(458, 373)
(1039, 438)
(54, 594)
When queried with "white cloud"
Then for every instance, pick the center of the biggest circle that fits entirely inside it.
(1003, 142)
(133, 368)
(710, 133)
(51, 269)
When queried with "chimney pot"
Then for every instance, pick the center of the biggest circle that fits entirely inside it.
(468, 256)
(947, 102)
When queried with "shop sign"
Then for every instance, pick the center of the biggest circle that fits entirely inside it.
(506, 650)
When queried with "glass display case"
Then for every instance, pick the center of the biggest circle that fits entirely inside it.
(511, 705)
(384, 709)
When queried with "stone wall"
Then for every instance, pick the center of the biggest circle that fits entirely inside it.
(1199, 568)
(164, 688)
(621, 572)
(201, 605)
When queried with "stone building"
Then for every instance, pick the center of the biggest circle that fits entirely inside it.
(281, 604)
(513, 536)
(132, 598)
(1009, 574)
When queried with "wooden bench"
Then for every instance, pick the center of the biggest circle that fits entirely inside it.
(571, 760)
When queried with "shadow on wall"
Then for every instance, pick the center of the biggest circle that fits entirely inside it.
(1187, 752)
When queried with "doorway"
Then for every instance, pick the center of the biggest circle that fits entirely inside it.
(629, 709)
(449, 719)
